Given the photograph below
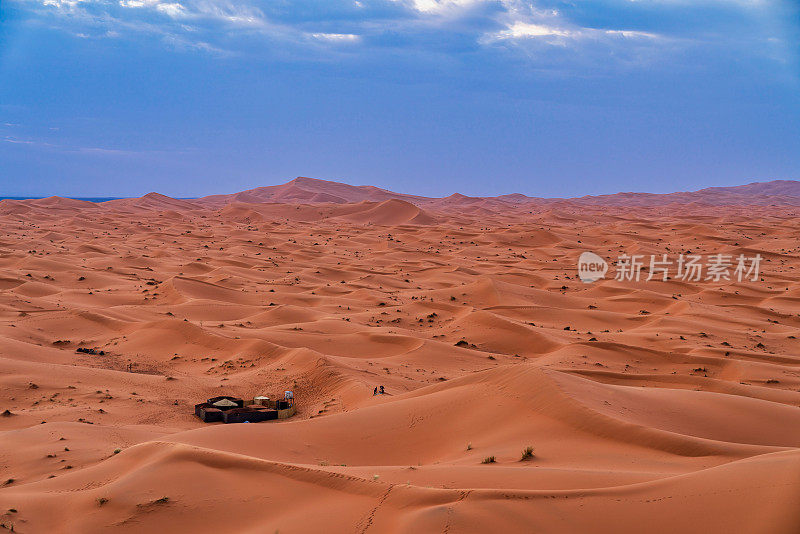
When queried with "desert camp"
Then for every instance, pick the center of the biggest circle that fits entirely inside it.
(227, 409)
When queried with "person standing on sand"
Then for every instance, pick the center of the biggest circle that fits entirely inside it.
(382, 392)
(375, 392)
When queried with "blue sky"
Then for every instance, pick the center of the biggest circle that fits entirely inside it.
(547, 98)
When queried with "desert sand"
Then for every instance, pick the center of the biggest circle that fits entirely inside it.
(660, 406)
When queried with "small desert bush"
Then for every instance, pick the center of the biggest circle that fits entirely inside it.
(527, 454)
(489, 460)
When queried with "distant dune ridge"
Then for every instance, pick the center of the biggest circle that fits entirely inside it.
(310, 190)
(377, 209)
(518, 398)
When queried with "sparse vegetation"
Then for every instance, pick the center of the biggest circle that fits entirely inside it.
(527, 454)
(489, 460)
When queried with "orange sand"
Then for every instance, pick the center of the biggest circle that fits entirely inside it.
(680, 416)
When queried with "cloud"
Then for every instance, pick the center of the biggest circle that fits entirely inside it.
(173, 10)
(63, 5)
(631, 34)
(336, 37)
(16, 141)
(440, 6)
(442, 30)
(524, 30)
(88, 150)
(228, 13)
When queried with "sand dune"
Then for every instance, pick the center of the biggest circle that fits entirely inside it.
(150, 201)
(308, 190)
(661, 406)
(389, 212)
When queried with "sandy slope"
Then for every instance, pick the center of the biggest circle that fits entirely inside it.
(665, 406)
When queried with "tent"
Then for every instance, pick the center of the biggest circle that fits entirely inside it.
(241, 415)
(226, 404)
(239, 402)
